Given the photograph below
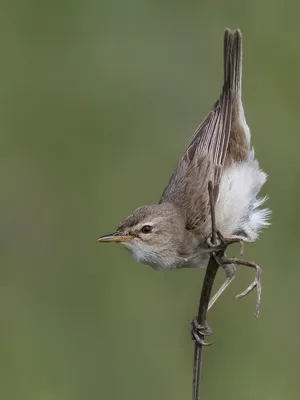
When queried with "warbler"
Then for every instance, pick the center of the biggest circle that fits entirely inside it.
(175, 232)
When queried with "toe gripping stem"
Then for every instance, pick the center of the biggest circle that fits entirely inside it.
(199, 331)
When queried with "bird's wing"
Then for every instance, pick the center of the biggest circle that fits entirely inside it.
(206, 152)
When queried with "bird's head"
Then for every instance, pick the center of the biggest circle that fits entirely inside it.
(153, 234)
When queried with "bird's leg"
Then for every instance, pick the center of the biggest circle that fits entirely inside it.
(228, 264)
(218, 243)
(255, 284)
(230, 271)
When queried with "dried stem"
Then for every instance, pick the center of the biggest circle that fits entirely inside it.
(208, 282)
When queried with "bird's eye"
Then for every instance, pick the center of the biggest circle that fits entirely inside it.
(146, 229)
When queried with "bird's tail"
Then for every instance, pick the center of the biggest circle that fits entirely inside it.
(233, 61)
(239, 144)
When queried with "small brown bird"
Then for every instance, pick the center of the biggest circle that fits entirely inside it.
(175, 232)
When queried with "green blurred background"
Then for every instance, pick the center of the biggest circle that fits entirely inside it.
(98, 100)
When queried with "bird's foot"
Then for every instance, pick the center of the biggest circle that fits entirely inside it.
(199, 331)
(255, 284)
(224, 241)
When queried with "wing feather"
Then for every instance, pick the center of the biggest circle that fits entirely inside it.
(206, 152)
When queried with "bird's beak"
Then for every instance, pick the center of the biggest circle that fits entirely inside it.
(114, 237)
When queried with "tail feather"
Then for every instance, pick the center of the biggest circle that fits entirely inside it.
(239, 140)
(233, 60)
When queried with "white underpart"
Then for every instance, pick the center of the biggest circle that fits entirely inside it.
(243, 122)
(140, 251)
(144, 253)
(237, 208)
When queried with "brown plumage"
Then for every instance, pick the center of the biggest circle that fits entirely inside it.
(219, 140)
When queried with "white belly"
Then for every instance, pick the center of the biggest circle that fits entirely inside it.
(237, 208)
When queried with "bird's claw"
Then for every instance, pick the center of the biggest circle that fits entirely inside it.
(255, 284)
(198, 331)
(223, 242)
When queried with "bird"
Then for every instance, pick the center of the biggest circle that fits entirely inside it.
(176, 232)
